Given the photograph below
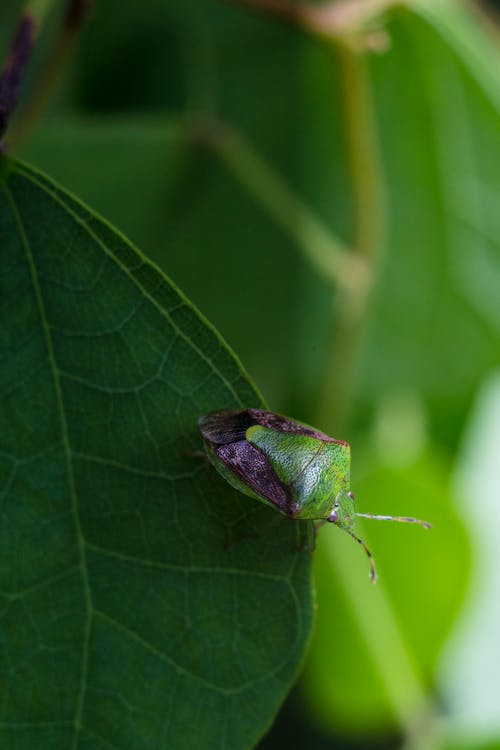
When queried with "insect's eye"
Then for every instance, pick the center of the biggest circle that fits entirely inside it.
(351, 495)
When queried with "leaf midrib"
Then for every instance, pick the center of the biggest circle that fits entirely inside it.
(63, 422)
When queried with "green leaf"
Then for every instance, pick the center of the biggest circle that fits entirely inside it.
(144, 603)
(440, 162)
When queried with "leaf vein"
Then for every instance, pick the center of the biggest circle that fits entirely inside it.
(197, 569)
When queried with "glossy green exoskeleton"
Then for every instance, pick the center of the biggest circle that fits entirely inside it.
(288, 465)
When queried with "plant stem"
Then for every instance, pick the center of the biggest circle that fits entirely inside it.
(319, 245)
(13, 71)
(352, 303)
(376, 619)
(74, 17)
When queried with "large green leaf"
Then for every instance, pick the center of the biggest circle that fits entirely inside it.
(144, 603)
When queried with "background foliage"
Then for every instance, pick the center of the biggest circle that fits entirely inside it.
(241, 153)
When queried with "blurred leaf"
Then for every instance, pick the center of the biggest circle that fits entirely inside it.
(365, 651)
(472, 744)
(469, 677)
(195, 59)
(144, 603)
(439, 134)
(471, 35)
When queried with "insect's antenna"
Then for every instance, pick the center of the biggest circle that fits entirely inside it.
(400, 519)
(373, 572)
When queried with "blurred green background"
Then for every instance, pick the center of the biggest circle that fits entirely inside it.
(243, 153)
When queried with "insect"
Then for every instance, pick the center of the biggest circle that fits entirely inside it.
(288, 465)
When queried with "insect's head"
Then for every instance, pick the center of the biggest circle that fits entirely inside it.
(343, 513)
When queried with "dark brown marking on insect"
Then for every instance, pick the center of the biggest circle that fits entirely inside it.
(250, 465)
(283, 424)
(224, 427)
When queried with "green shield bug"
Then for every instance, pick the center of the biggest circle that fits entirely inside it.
(288, 465)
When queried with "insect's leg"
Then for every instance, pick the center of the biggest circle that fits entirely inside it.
(309, 545)
(373, 572)
(305, 535)
(311, 536)
(195, 454)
